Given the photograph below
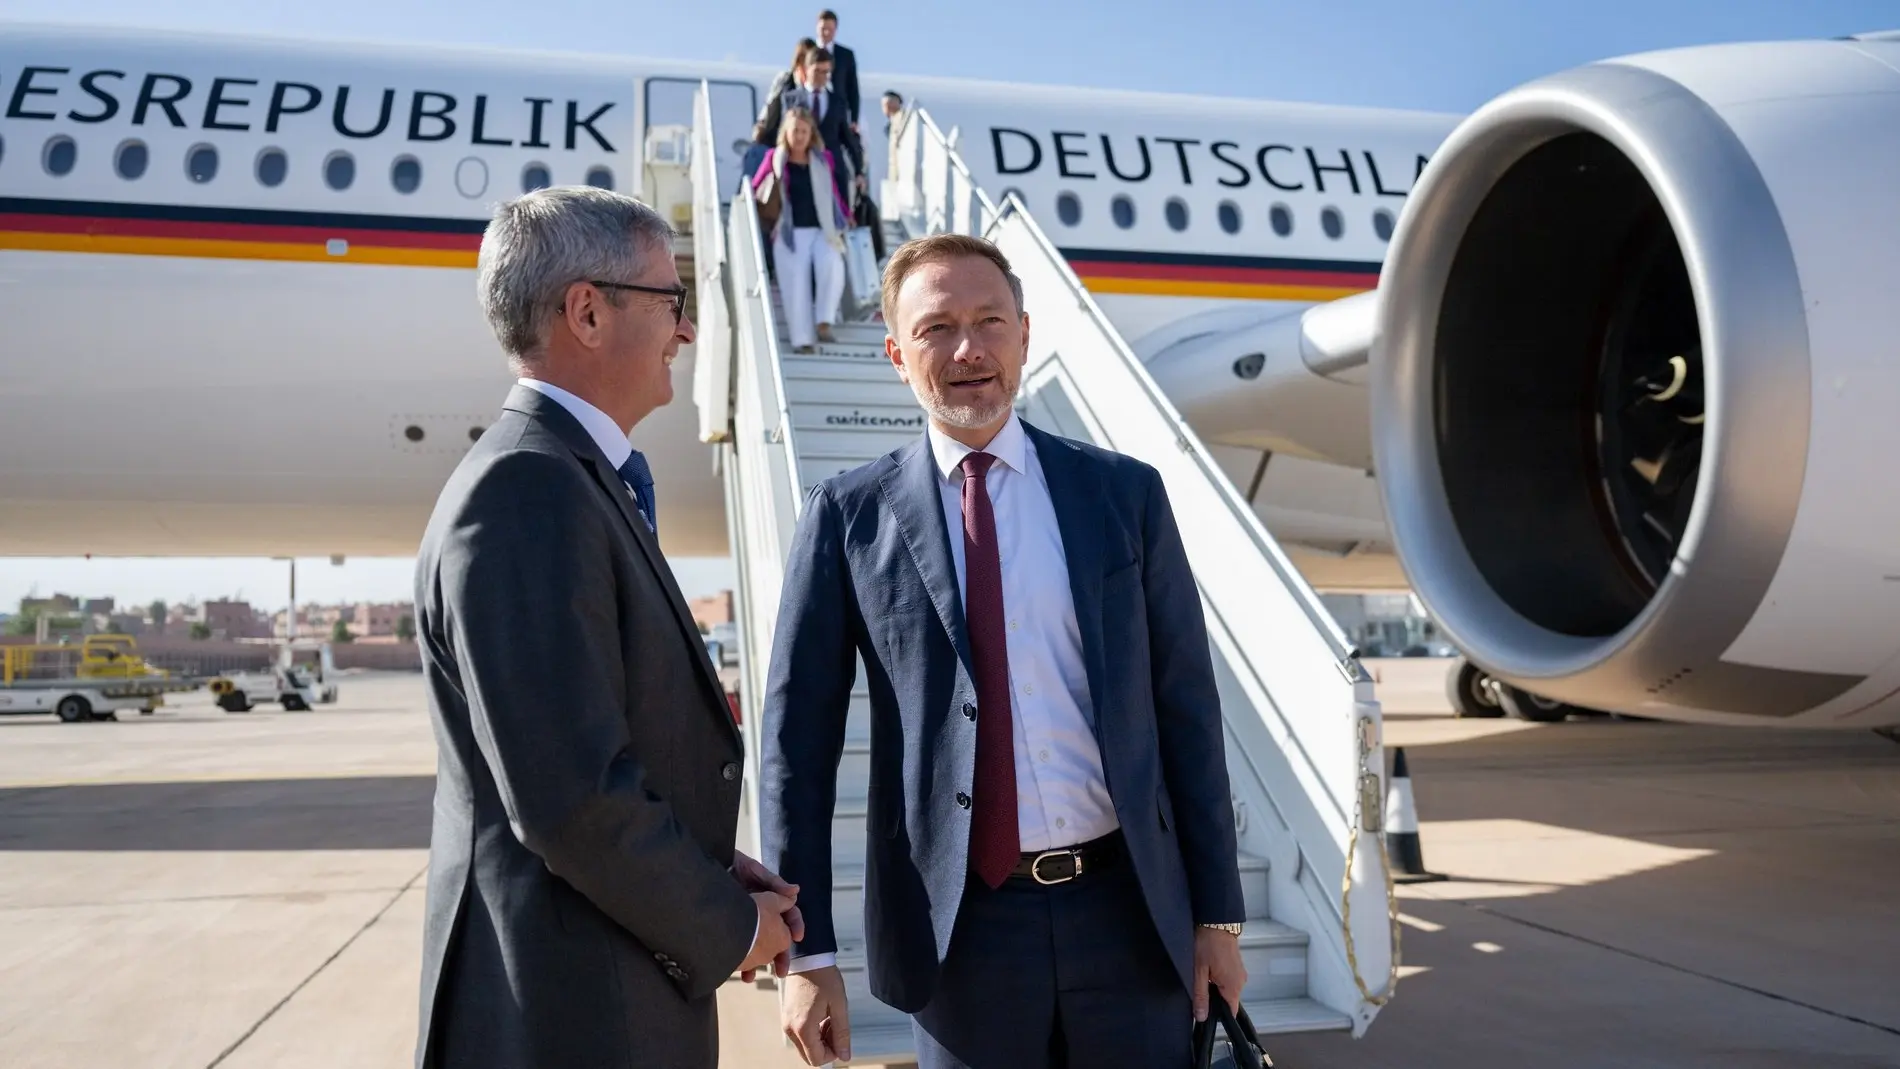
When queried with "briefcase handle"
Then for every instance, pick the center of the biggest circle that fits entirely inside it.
(1248, 1053)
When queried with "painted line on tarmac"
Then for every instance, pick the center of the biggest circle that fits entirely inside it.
(318, 971)
(144, 779)
(1673, 967)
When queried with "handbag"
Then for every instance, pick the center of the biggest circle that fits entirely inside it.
(1238, 1048)
(771, 198)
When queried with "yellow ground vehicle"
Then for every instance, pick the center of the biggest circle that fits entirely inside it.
(114, 657)
(94, 680)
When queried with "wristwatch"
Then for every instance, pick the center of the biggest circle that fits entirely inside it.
(1230, 929)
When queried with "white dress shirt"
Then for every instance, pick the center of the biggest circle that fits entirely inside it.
(608, 435)
(1061, 793)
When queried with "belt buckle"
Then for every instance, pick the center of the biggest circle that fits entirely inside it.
(1035, 867)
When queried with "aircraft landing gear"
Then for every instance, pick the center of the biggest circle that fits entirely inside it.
(1473, 694)
(1538, 709)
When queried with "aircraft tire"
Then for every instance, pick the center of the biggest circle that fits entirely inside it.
(1538, 710)
(1470, 698)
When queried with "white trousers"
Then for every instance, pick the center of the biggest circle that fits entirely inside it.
(809, 255)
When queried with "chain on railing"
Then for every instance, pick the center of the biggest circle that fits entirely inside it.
(1368, 820)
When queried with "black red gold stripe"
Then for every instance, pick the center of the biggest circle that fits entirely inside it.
(424, 241)
(1191, 275)
(237, 233)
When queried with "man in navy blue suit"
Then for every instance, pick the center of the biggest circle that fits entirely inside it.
(1050, 878)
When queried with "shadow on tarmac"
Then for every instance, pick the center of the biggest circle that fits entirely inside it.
(1709, 897)
(356, 813)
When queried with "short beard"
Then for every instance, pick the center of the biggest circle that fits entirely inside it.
(967, 417)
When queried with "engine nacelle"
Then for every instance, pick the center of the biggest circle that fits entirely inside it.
(1635, 387)
(1291, 383)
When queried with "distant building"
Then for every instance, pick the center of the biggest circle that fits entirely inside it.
(228, 620)
(712, 610)
(363, 620)
(126, 623)
(57, 605)
(375, 620)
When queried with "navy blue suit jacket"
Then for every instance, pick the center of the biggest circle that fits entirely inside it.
(870, 573)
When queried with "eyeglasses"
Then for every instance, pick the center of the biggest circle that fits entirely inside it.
(678, 293)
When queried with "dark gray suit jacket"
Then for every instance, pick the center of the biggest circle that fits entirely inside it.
(580, 907)
(871, 574)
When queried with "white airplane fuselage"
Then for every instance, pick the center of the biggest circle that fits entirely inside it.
(237, 307)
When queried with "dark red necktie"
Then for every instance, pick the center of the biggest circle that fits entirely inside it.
(994, 844)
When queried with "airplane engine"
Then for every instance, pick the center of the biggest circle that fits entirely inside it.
(1635, 385)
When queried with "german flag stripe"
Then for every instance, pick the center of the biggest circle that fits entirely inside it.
(1246, 277)
(237, 233)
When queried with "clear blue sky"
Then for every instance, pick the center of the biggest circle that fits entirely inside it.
(1439, 55)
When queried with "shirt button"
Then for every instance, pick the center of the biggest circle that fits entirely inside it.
(963, 800)
(730, 772)
(1028, 689)
(969, 711)
(1060, 823)
(1012, 625)
(1044, 755)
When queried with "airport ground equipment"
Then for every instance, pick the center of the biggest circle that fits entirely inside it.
(94, 680)
(1302, 728)
(299, 683)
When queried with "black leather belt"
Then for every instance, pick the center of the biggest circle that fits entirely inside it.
(1050, 867)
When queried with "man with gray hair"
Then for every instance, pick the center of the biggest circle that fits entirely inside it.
(585, 901)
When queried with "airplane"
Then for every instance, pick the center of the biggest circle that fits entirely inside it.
(236, 275)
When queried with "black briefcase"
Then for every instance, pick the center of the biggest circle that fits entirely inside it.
(1226, 1040)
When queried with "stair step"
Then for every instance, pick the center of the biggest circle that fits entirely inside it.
(834, 362)
(885, 390)
(878, 1030)
(848, 335)
(1280, 1016)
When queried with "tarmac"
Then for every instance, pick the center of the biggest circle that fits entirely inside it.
(197, 889)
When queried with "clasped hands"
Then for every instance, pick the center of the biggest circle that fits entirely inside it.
(813, 1009)
(780, 923)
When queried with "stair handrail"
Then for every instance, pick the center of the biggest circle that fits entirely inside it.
(715, 348)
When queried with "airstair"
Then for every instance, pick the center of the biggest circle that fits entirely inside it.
(1302, 727)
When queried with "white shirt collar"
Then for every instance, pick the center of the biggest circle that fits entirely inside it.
(608, 435)
(1010, 447)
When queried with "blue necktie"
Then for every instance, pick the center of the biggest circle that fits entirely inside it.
(635, 473)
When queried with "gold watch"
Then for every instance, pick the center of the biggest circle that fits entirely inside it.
(1230, 929)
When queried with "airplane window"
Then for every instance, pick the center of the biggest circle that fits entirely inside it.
(471, 177)
(201, 163)
(272, 166)
(600, 178)
(339, 171)
(1230, 217)
(1123, 210)
(1282, 220)
(1332, 222)
(405, 174)
(1069, 209)
(535, 176)
(1177, 213)
(1382, 224)
(59, 156)
(131, 159)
